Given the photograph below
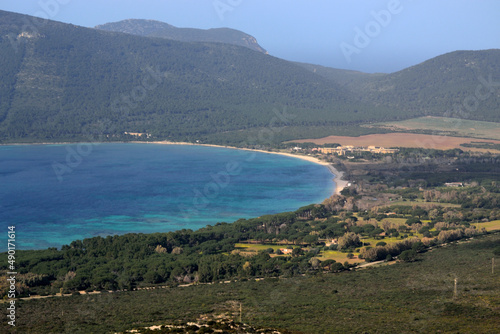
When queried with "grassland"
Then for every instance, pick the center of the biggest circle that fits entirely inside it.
(253, 248)
(258, 247)
(443, 126)
(339, 257)
(489, 226)
(413, 297)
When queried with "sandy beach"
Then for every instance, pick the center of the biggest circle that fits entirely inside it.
(340, 184)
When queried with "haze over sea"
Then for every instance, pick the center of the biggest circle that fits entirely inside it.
(145, 188)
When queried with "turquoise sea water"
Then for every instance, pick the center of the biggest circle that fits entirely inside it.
(55, 194)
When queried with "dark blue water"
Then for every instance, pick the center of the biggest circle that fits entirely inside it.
(55, 194)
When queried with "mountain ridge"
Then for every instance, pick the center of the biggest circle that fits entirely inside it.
(65, 82)
(153, 28)
(62, 82)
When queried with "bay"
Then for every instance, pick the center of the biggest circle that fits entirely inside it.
(54, 194)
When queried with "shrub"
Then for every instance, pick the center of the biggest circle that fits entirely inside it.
(496, 251)
(412, 220)
(337, 266)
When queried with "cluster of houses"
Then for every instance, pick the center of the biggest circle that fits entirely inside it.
(286, 251)
(343, 150)
(138, 134)
(454, 184)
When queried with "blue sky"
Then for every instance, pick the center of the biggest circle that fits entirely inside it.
(364, 35)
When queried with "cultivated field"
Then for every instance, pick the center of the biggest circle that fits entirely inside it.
(389, 140)
(443, 125)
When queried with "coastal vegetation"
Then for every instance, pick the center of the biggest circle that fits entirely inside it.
(415, 296)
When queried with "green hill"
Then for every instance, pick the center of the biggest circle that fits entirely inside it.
(63, 82)
(446, 85)
(151, 28)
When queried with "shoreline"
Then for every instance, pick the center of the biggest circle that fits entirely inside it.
(340, 183)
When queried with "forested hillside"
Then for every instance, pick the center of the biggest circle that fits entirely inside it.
(446, 85)
(62, 82)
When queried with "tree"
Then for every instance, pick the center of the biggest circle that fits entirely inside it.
(408, 256)
(177, 250)
(160, 249)
(328, 263)
(297, 251)
(412, 220)
(247, 267)
(315, 262)
(152, 277)
(418, 246)
(311, 239)
(349, 240)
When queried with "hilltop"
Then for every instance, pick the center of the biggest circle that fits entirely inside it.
(151, 28)
(446, 85)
